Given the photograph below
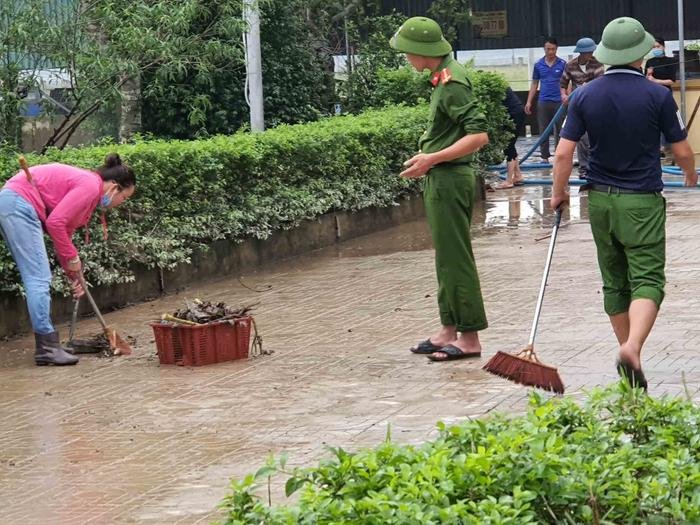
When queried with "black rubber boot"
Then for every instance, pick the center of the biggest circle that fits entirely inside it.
(49, 351)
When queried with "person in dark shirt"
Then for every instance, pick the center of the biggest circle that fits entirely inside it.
(517, 114)
(660, 69)
(582, 69)
(623, 113)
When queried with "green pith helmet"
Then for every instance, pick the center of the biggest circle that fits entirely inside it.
(420, 36)
(624, 41)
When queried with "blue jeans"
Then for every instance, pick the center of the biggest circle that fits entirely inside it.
(21, 228)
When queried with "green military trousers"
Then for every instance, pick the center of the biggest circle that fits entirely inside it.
(629, 230)
(449, 200)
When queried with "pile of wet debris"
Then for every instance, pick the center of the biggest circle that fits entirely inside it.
(97, 344)
(197, 311)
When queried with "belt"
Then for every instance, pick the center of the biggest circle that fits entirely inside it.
(457, 163)
(614, 189)
(448, 165)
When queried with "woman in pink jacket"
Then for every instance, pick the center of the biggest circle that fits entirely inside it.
(59, 199)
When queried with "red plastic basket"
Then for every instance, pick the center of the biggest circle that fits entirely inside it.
(206, 344)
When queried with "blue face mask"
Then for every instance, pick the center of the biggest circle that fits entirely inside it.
(657, 52)
(105, 201)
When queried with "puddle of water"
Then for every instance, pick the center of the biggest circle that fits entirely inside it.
(525, 206)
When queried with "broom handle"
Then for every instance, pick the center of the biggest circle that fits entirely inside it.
(548, 264)
(92, 301)
(25, 167)
(74, 318)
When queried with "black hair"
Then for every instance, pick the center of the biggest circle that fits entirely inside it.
(114, 170)
(660, 40)
(551, 40)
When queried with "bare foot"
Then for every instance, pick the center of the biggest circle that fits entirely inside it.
(503, 186)
(445, 336)
(467, 349)
(629, 365)
(629, 354)
(467, 342)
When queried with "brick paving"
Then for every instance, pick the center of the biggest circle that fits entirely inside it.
(127, 441)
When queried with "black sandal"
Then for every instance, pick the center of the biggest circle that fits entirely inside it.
(451, 353)
(425, 347)
(634, 376)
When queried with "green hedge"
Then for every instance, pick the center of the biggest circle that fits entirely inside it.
(623, 457)
(191, 193)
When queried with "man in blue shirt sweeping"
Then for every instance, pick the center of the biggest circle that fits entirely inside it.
(624, 115)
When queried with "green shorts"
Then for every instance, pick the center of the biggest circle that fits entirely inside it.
(629, 230)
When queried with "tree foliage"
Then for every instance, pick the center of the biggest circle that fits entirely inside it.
(182, 61)
(98, 46)
(451, 15)
(374, 54)
(297, 80)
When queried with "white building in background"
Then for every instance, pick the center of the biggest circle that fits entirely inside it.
(501, 58)
(46, 87)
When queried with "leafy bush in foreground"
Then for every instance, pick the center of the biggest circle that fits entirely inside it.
(622, 457)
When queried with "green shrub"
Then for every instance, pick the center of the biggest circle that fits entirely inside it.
(245, 185)
(623, 457)
(400, 86)
(406, 86)
(374, 55)
(191, 193)
(490, 90)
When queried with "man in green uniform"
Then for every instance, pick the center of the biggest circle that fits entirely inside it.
(623, 114)
(455, 131)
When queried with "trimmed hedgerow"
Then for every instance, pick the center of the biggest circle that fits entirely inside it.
(191, 193)
(622, 457)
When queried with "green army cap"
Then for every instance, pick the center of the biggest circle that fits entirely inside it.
(624, 41)
(420, 36)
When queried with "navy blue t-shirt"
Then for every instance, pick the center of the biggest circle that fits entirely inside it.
(549, 77)
(624, 115)
(513, 104)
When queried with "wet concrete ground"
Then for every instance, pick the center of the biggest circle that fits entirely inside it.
(127, 441)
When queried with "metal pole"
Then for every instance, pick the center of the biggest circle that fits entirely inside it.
(253, 59)
(548, 17)
(348, 62)
(681, 55)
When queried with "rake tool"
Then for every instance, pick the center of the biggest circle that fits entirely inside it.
(94, 345)
(116, 344)
(524, 367)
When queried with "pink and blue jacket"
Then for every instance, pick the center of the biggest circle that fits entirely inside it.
(64, 198)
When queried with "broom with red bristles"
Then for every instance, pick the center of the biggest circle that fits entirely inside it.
(524, 367)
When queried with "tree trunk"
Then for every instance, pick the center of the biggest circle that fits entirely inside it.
(130, 118)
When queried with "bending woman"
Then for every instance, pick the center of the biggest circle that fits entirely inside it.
(59, 199)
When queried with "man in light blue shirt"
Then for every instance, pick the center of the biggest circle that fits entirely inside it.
(547, 72)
